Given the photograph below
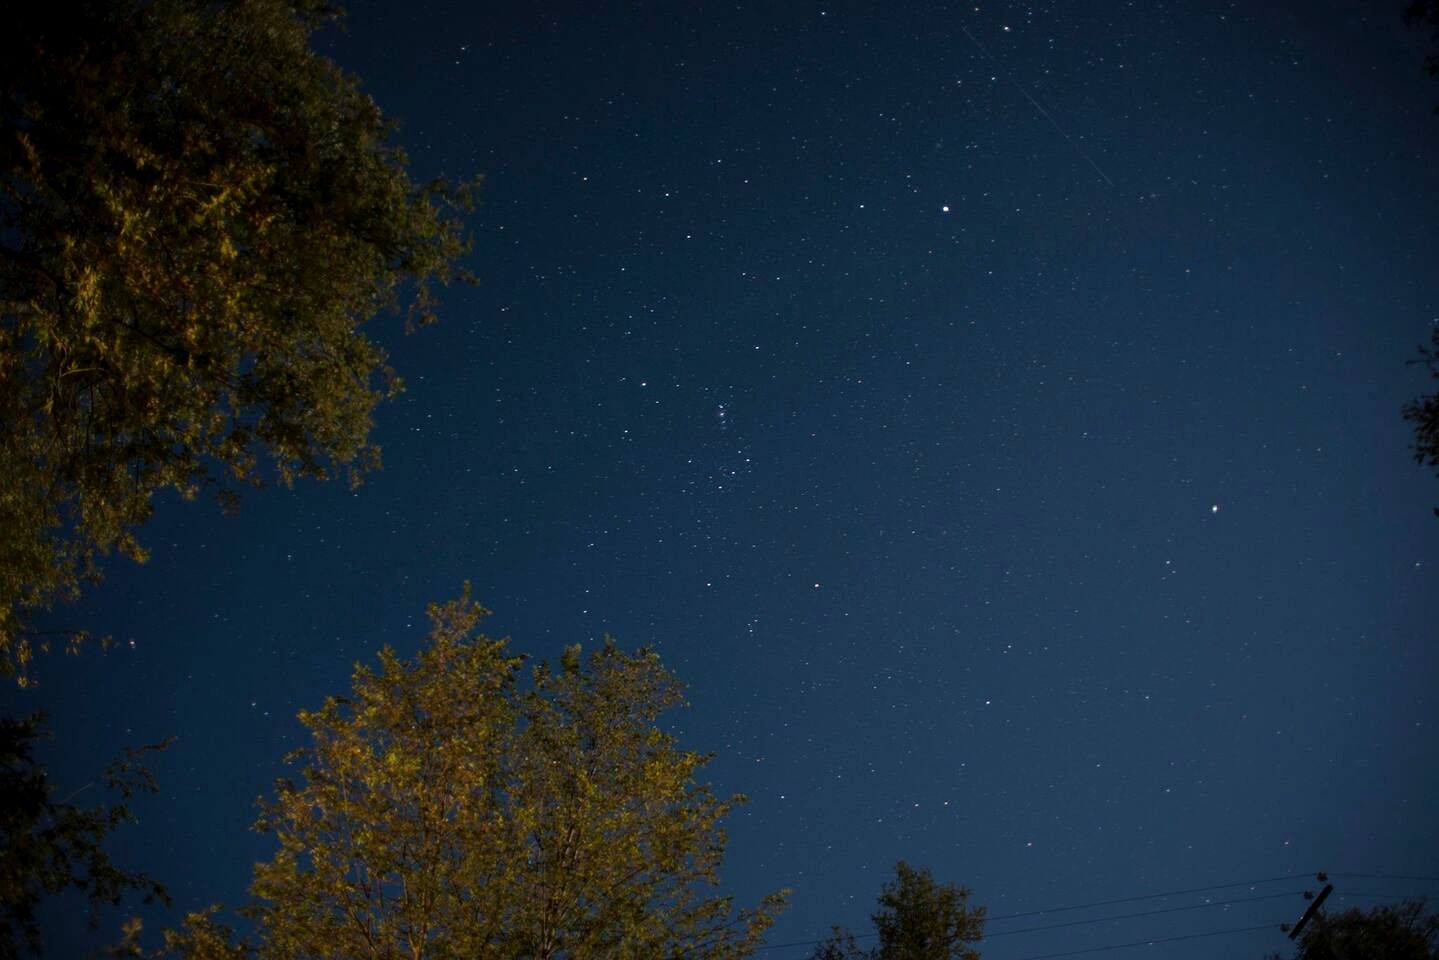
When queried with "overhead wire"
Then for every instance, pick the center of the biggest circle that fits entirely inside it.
(1374, 893)
(1151, 942)
(1195, 936)
(1144, 943)
(1384, 876)
(1145, 913)
(1155, 896)
(1104, 903)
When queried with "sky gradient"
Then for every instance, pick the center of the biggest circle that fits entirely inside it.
(991, 413)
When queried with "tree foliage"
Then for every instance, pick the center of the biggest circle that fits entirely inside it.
(1425, 14)
(448, 810)
(198, 213)
(1424, 411)
(916, 919)
(839, 945)
(48, 846)
(1402, 932)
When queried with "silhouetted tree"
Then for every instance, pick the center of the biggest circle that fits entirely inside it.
(1403, 932)
(446, 811)
(839, 945)
(198, 213)
(916, 919)
(1424, 411)
(1425, 14)
(49, 845)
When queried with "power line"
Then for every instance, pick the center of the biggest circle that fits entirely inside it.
(1145, 913)
(1098, 903)
(1081, 923)
(1154, 896)
(1389, 894)
(1147, 943)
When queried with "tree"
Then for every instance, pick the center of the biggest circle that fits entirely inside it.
(839, 945)
(198, 213)
(447, 810)
(1425, 13)
(48, 845)
(1424, 411)
(1403, 932)
(917, 919)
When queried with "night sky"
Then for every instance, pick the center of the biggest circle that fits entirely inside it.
(992, 414)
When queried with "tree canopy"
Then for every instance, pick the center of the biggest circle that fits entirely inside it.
(1403, 932)
(1425, 14)
(448, 810)
(1423, 412)
(198, 213)
(915, 919)
(49, 845)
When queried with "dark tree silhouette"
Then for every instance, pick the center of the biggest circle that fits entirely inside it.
(1403, 932)
(49, 845)
(1424, 411)
(1425, 13)
(198, 213)
(916, 919)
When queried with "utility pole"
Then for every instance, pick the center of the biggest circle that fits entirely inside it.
(1312, 912)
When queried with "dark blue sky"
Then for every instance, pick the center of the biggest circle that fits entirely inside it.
(1048, 522)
